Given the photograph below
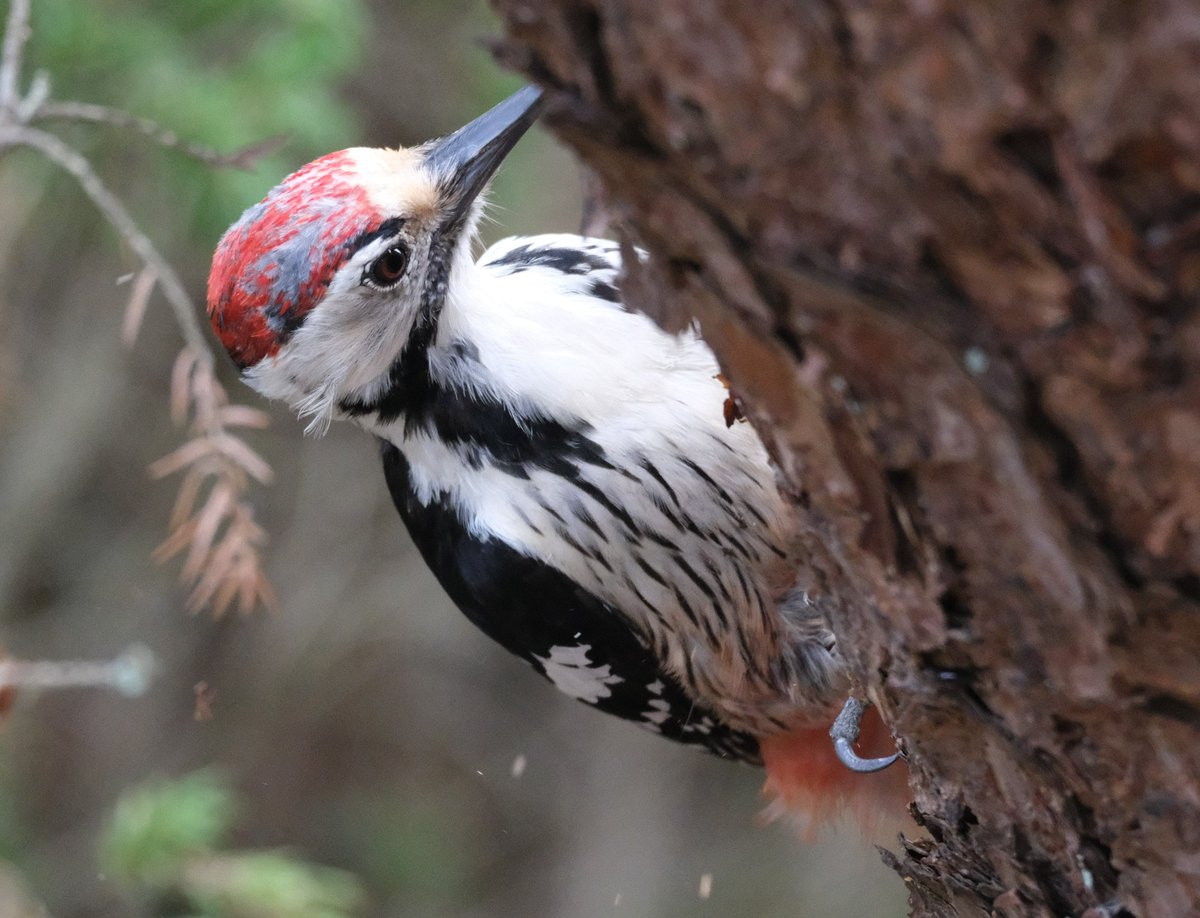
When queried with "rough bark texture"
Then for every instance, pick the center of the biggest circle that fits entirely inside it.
(949, 254)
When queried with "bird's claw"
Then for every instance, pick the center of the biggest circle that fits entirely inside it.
(845, 731)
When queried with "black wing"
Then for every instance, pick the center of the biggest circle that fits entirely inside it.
(566, 633)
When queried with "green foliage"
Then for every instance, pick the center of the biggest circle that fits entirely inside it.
(163, 841)
(224, 73)
(271, 883)
(155, 828)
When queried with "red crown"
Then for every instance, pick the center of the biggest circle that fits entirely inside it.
(274, 265)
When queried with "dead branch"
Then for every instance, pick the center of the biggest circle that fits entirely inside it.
(130, 673)
(16, 33)
(224, 560)
(245, 158)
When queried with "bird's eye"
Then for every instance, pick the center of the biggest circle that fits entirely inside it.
(386, 270)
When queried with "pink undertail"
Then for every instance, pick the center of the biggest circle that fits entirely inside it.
(806, 780)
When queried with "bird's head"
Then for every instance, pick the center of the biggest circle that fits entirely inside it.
(318, 289)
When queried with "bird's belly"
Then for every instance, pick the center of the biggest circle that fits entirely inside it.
(694, 559)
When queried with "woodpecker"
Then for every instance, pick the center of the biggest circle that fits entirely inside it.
(561, 462)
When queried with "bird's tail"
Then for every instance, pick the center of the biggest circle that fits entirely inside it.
(807, 781)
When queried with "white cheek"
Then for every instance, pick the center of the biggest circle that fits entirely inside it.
(356, 339)
(347, 343)
(269, 379)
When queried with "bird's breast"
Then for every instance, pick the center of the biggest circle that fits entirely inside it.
(688, 542)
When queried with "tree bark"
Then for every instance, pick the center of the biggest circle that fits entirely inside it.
(949, 257)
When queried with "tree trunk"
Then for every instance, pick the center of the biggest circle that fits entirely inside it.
(949, 256)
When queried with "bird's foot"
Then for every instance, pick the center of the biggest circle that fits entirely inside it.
(845, 731)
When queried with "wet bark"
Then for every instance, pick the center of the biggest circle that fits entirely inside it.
(949, 256)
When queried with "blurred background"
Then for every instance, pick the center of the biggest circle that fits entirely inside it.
(365, 727)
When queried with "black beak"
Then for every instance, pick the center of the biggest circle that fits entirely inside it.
(463, 162)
